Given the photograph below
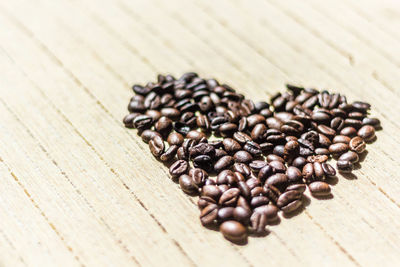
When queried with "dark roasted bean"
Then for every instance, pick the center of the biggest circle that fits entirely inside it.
(253, 148)
(242, 168)
(350, 156)
(319, 188)
(288, 197)
(298, 187)
(292, 206)
(233, 231)
(338, 148)
(293, 174)
(187, 185)
(344, 166)
(178, 168)
(169, 154)
(299, 162)
(231, 146)
(349, 131)
(209, 214)
(229, 197)
(175, 139)
(225, 214)
(142, 122)
(156, 145)
(357, 144)
(242, 157)
(367, 132)
(147, 135)
(341, 139)
(223, 163)
(328, 169)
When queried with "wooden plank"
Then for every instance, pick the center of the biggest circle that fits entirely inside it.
(76, 190)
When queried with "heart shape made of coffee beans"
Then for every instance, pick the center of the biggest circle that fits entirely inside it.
(248, 161)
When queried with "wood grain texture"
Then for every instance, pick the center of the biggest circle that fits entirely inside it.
(78, 189)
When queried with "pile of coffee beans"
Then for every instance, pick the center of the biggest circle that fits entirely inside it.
(248, 161)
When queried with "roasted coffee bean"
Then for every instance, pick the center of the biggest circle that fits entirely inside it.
(318, 171)
(350, 156)
(328, 169)
(255, 119)
(223, 163)
(156, 145)
(323, 140)
(357, 145)
(321, 151)
(299, 162)
(241, 137)
(271, 192)
(242, 157)
(147, 135)
(209, 214)
(225, 214)
(242, 168)
(163, 126)
(259, 132)
(372, 121)
(175, 139)
(178, 168)
(199, 176)
(279, 151)
(229, 197)
(228, 129)
(211, 191)
(367, 132)
(338, 148)
(138, 89)
(277, 166)
(292, 206)
(169, 154)
(128, 119)
(253, 148)
(272, 157)
(265, 172)
(219, 153)
(258, 222)
(308, 172)
(293, 174)
(325, 130)
(142, 122)
(278, 180)
(226, 177)
(233, 231)
(317, 158)
(230, 145)
(187, 185)
(319, 188)
(195, 135)
(257, 165)
(352, 123)
(204, 201)
(344, 166)
(258, 200)
(256, 191)
(288, 197)
(298, 187)
(341, 139)
(349, 131)
(242, 214)
(202, 149)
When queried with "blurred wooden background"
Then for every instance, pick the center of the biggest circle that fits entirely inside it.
(77, 188)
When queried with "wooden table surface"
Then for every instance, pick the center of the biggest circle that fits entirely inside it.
(77, 188)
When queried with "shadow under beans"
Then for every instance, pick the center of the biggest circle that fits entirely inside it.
(362, 156)
(349, 176)
(258, 235)
(326, 197)
(332, 180)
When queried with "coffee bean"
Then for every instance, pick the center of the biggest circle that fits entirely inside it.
(187, 185)
(242, 168)
(265, 172)
(147, 135)
(204, 201)
(344, 166)
(308, 172)
(259, 132)
(178, 168)
(292, 206)
(225, 214)
(233, 231)
(319, 188)
(231, 146)
(169, 154)
(341, 139)
(128, 119)
(156, 146)
(325, 130)
(288, 197)
(338, 148)
(195, 135)
(199, 176)
(163, 126)
(142, 122)
(253, 148)
(297, 187)
(371, 121)
(317, 158)
(357, 145)
(257, 165)
(241, 137)
(272, 157)
(242, 157)
(211, 191)
(350, 156)
(258, 222)
(348, 131)
(223, 163)
(367, 132)
(279, 180)
(242, 214)
(293, 174)
(328, 170)
(299, 162)
(226, 177)
(175, 139)
(209, 214)
(229, 197)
